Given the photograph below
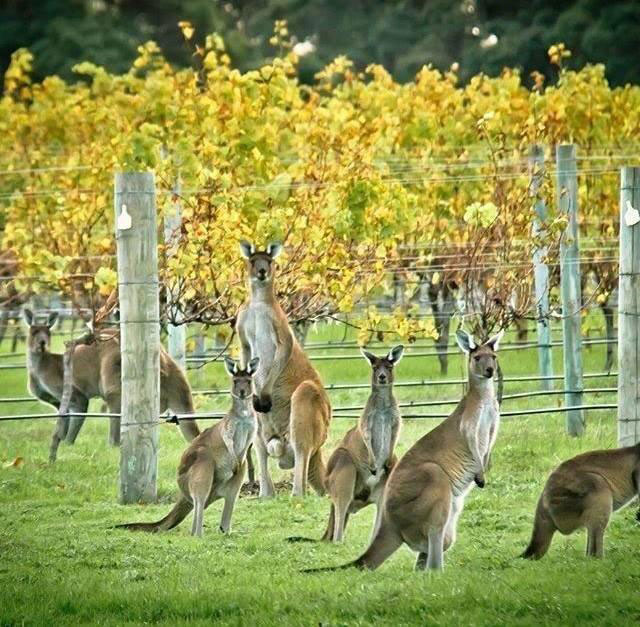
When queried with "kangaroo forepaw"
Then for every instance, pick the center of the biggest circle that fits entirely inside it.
(479, 480)
(262, 404)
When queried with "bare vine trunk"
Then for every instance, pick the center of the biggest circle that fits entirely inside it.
(607, 312)
(442, 306)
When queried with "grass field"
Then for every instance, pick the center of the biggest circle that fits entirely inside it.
(61, 562)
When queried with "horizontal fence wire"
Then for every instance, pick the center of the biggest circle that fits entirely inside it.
(425, 383)
(176, 418)
(199, 358)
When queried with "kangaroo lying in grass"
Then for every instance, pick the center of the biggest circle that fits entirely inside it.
(359, 467)
(96, 374)
(294, 408)
(583, 492)
(214, 465)
(425, 493)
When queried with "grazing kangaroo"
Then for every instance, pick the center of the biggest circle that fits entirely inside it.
(214, 464)
(294, 409)
(96, 374)
(359, 467)
(426, 489)
(583, 492)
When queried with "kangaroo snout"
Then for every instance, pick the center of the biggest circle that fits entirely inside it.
(382, 378)
(489, 372)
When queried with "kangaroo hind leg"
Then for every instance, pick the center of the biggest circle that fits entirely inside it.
(59, 433)
(78, 405)
(342, 490)
(200, 482)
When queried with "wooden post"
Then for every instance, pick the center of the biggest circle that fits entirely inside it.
(629, 309)
(541, 271)
(177, 332)
(567, 201)
(136, 240)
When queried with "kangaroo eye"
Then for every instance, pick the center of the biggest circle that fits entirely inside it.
(477, 357)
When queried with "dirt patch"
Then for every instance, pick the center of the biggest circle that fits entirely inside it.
(252, 488)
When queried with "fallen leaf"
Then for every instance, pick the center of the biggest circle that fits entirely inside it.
(16, 463)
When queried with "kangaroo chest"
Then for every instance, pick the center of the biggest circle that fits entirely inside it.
(479, 431)
(380, 427)
(261, 335)
(487, 426)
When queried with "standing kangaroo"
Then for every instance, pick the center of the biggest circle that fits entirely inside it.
(294, 408)
(359, 467)
(583, 492)
(427, 487)
(214, 464)
(96, 374)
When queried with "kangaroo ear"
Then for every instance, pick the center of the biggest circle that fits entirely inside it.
(53, 317)
(274, 249)
(494, 342)
(230, 365)
(395, 354)
(253, 366)
(370, 357)
(247, 249)
(465, 341)
(27, 316)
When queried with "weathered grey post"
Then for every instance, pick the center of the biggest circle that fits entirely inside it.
(136, 240)
(172, 223)
(567, 201)
(541, 271)
(629, 309)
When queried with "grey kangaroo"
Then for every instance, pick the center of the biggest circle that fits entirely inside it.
(359, 467)
(96, 374)
(213, 466)
(583, 492)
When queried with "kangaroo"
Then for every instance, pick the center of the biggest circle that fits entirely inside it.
(96, 374)
(294, 409)
(425, 492)
(583, 492)
(214, 464)
(358, 468)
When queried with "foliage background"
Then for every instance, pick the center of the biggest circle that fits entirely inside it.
(402, 35)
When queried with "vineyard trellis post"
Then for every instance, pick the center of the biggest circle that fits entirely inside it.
(541, 271)
(172, 224)
(136, 243)
(629, 309)
(567, 203)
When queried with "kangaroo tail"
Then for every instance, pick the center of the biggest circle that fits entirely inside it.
(301, 539)
(386, 542)
(171, 520)
(543, 530)
(317, 473)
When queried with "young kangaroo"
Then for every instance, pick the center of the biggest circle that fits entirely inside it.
(96, 374)
(583, 492)
(214, 464)
(425, 492)
(358, 468)
(294, 408)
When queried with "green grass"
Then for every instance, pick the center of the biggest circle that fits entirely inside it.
(61, 562)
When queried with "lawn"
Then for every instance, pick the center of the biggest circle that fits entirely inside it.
(62, 562)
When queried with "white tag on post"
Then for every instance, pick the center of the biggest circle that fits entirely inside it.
(631, 216)
(124, 219)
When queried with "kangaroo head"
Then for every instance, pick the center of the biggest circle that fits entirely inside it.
(382, 367)
(39, 337)
(483, 360)
(241, 384)
(260, 262)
